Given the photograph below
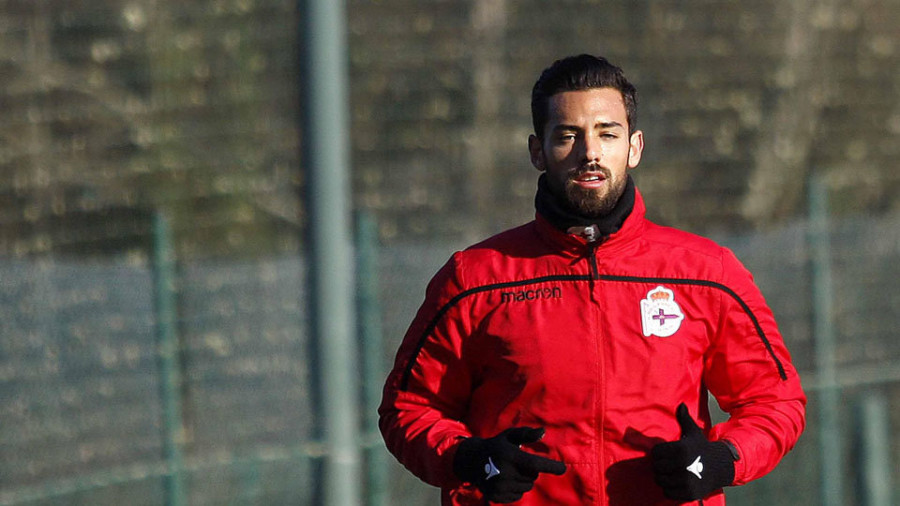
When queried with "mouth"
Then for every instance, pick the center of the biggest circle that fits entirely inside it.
(590, 179)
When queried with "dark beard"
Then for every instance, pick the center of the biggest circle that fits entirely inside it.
(588, 204)
(551, 206)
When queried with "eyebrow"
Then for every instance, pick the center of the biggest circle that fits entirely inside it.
(610, 124)
(604, 124)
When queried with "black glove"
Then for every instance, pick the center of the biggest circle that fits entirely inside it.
(499, 468)
(692, 467)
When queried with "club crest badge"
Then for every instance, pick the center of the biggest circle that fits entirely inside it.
(660, 314)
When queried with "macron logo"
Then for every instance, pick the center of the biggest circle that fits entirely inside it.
(550, 292)
(696, 468)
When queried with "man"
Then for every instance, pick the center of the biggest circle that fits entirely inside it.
(569, 360)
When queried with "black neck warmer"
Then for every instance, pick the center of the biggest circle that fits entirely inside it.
(563, 218)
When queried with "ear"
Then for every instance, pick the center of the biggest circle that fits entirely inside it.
(536, 150)
(635, 148)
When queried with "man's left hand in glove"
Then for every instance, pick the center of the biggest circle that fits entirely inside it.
(692, 467)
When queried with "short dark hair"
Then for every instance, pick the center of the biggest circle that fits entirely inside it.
(576, 73)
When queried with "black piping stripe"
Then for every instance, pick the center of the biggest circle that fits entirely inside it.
(404, 383)
(711, 284)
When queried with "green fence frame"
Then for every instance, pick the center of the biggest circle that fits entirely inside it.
(173, 469)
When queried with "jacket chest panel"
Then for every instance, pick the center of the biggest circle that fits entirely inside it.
(655, 327)
(564, 348)
(548, 345)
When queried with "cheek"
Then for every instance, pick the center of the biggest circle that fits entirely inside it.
(620, 155)
(563, 158)
(558, 152)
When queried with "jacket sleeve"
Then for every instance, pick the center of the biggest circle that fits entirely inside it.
(749, 372)
(426, 393)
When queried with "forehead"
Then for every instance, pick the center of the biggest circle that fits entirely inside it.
(593, 105)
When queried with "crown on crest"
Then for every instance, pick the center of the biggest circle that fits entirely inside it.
(659, 294)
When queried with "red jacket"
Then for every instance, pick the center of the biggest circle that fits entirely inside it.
(598, 345)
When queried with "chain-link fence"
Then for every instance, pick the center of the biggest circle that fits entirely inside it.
(153, 321)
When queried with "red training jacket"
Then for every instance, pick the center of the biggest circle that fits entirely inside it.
(598, 345)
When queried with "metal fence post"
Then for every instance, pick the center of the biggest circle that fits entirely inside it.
(372, 346)
(326, 147)
(831, 480)
(874, 465)
(250, 482)
(169, 370)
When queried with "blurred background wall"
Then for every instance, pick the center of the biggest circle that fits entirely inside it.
(152, 255)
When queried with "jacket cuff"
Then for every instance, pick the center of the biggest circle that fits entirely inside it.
(447, 459)
(740, 464)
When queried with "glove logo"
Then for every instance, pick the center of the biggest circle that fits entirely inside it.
(490, 469)
(696, 467)
(660, 315)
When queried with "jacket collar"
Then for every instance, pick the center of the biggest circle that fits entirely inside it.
(574, 240)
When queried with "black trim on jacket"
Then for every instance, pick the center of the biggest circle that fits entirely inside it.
(407, 373)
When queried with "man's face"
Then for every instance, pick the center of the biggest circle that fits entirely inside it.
(586, 150)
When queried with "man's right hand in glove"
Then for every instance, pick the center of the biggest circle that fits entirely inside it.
(497, 466)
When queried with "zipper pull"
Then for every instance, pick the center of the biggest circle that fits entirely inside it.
(589, 233)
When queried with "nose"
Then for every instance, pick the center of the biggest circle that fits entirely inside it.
(592, 149)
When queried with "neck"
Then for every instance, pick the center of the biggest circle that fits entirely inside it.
(591, 228)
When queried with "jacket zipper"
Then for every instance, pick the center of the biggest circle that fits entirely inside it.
(592, 260)
(593, 238)
(592, 244)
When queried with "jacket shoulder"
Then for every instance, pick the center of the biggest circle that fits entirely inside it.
(501, 256)
(678, 253)
(506, 242)
(682, 242)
